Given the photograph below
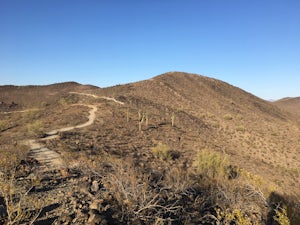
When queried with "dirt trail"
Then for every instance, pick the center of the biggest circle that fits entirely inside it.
(50, 159)
(95, 96)
(90, 121)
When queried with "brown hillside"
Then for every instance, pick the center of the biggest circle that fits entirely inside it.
(289, 104)
(21, 97)
(256, 134)
(135, 163)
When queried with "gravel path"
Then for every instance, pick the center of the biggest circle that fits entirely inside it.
(50, 159)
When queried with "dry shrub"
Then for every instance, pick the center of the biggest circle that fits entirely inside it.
(162, 151)
(33, 114)
(281, 216)
(11, 156)
(228, 117)
(211, 164)
(133, 195)
(35, 128)
(68, 99)
(17, 205)
(236, 217)
(3, 125)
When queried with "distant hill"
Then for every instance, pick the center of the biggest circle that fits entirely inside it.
(19, 97)
(289, 104)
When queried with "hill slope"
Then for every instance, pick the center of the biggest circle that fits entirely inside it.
(21, 97)
(289, 104)
(137, 160)
(256, 134)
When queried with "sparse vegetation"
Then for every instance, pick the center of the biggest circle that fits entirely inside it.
(281, 216)
(3, 125)
(162, 151)
(19, 206)
(67, 100)
(211, 164)
(35, 128)
(236, 216)
(240, 128)
(228, 117)
(116, 174)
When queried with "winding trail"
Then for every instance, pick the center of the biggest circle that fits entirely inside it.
(95, 96)
(50, 159)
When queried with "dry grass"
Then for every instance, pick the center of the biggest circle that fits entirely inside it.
(211, 164)
(162, 151)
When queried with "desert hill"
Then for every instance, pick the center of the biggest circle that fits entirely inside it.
(136, 160)
(21, 97)
(289, 104)
(220, 116)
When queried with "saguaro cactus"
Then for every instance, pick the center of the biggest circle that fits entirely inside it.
(173, 119)
(127, 115)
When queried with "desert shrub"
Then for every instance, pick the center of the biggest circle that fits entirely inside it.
(44, 104)
(215, 124)
(228, 117)
(240, 128)
(211, 164)
(33, 114)
(281, 216)
(3, 125)
(162, 151)
(35, 128)
(135, 196)
(18, 206)
(67, 100)
(252, 179)
(274, 134)
(239, 117)
(235, 216)
(11, 156)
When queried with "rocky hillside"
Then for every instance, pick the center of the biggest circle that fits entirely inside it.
(176, 149)
(212, 114)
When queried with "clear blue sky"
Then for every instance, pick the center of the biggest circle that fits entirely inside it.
(252, 44)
